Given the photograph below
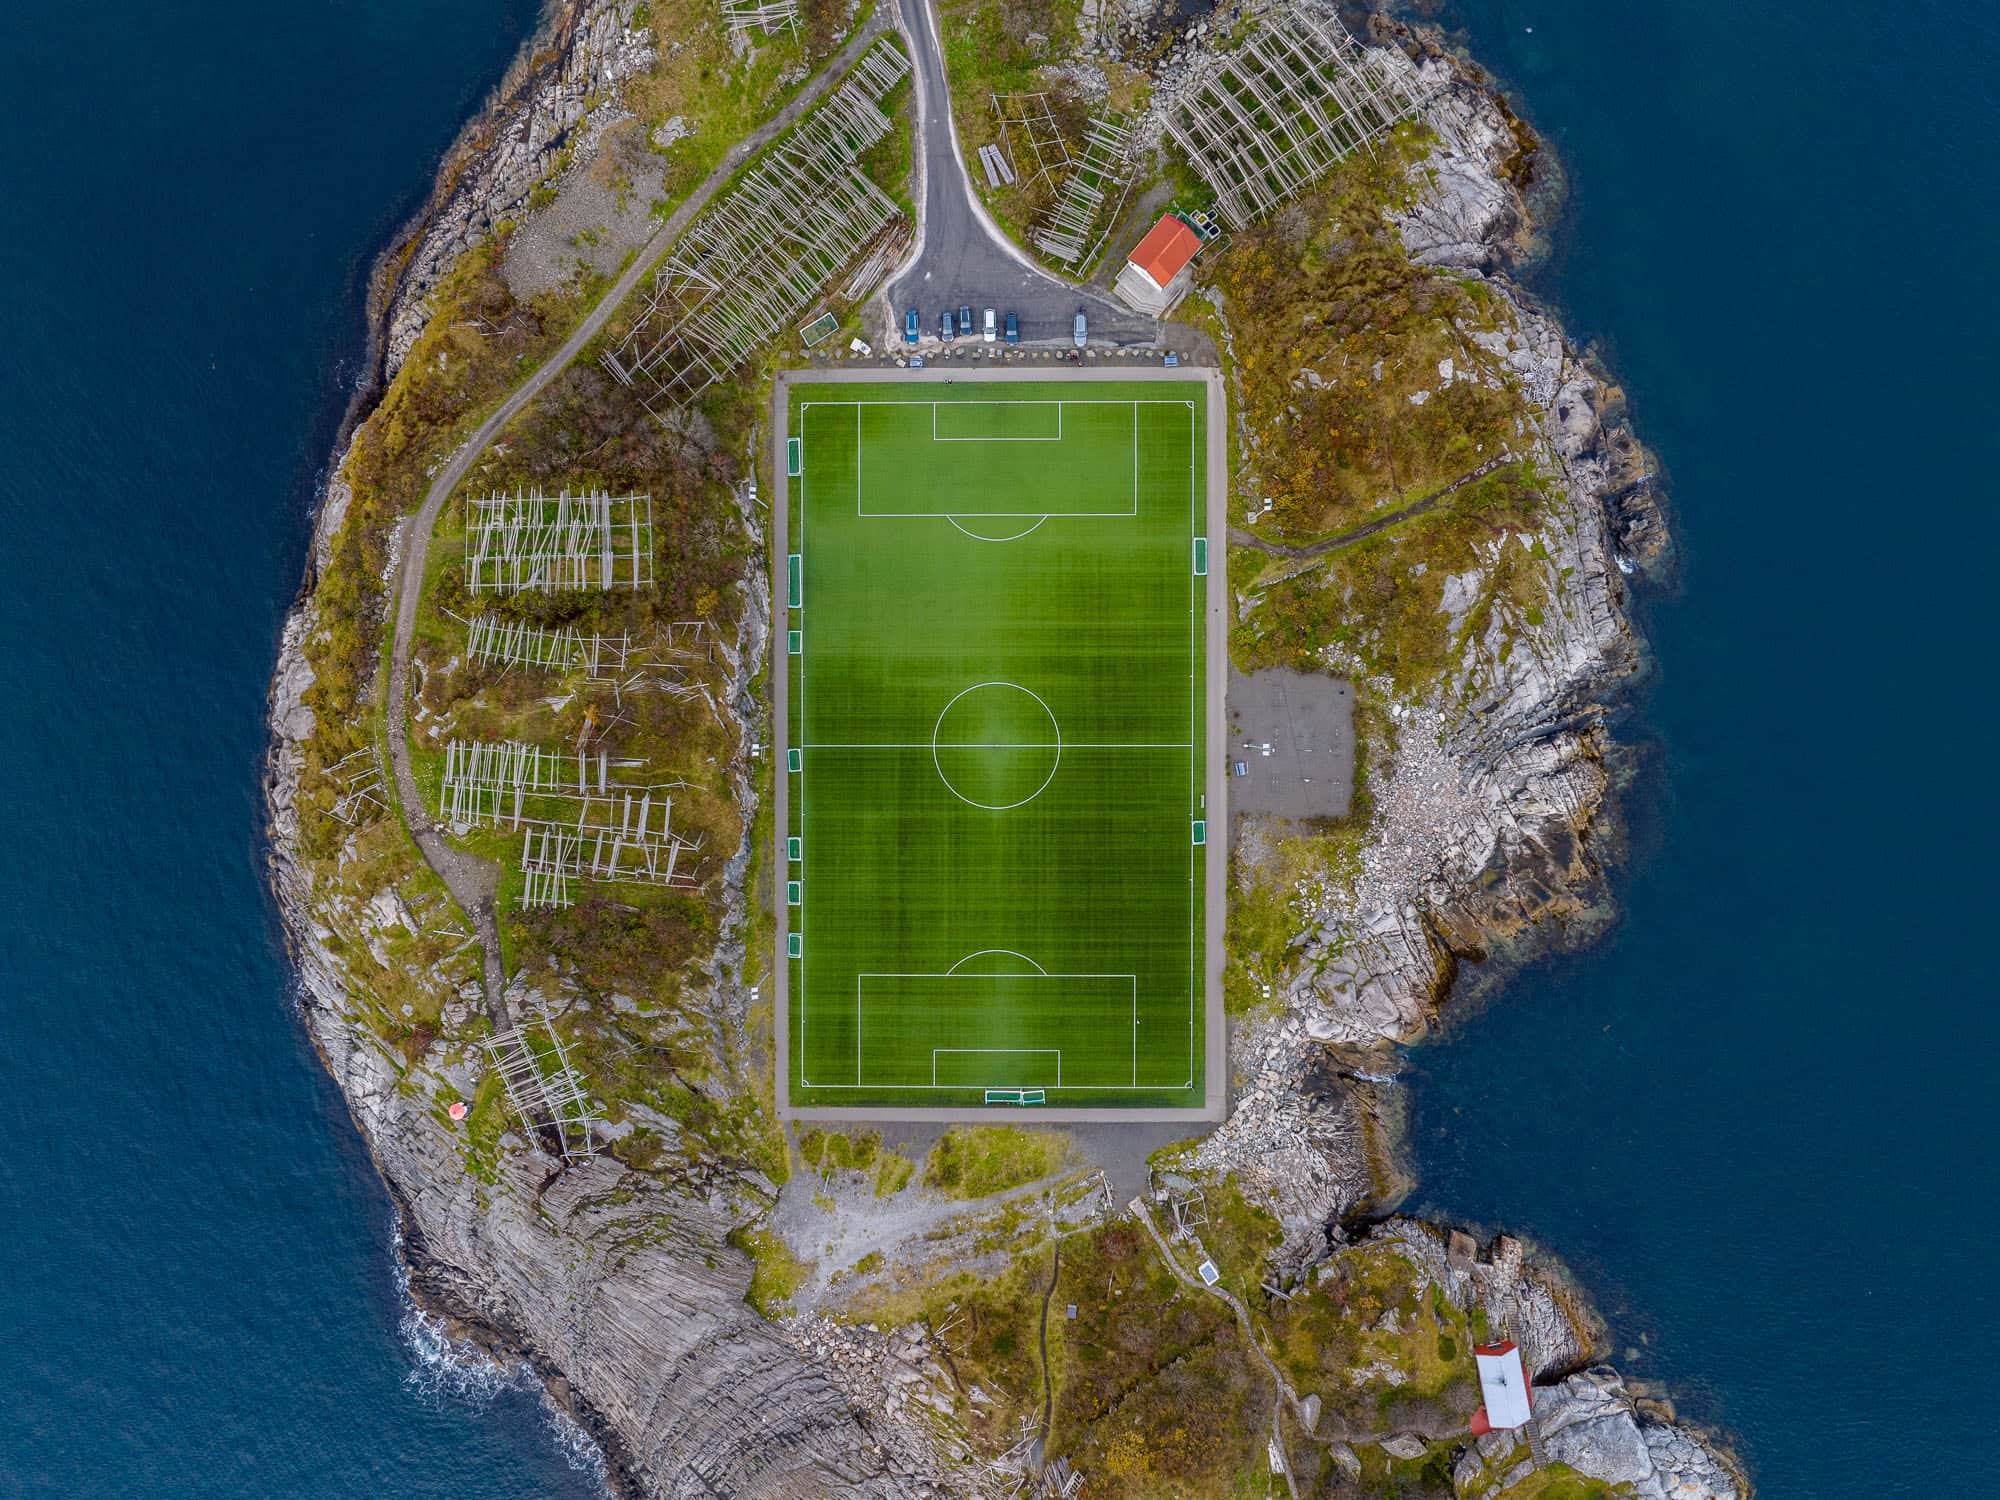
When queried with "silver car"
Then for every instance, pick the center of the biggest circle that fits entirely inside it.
(1081, 330)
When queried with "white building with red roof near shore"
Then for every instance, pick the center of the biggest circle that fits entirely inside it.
(1508, 1400)
(1156, 274)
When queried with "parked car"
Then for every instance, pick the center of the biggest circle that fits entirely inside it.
(910, 327)
(1082, 329)
(945, 329)
(1013, 329)
(988, 333)
(965, 319)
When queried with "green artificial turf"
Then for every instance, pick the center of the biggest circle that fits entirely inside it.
(999, 720)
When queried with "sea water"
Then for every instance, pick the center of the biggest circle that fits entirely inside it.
(1760, 1119)
(1757, 1120)
(198, 1284)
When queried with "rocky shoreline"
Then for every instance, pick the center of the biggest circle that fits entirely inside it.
(625, 1294)
(560, 92)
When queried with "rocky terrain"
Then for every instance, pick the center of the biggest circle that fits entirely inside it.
(626, 1289)
(1493, 802)
(543, 119)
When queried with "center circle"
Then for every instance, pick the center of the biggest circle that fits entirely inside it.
(996, 746)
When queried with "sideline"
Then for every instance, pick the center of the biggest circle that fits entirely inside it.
(474, 882)
(1215, 1080)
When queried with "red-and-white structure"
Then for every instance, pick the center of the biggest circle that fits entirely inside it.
(1156, 274)
(1503, 1382)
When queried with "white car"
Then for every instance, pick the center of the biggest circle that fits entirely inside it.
(1081, 330)
(986, 329)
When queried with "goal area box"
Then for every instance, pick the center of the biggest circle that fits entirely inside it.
(995, 737)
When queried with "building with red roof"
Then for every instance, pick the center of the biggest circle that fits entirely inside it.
(1156, 273)
(1506, 1398)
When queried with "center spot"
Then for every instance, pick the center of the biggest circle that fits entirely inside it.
(996, 745)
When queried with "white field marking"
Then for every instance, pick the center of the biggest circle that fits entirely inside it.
(954, 974)
(936, 437)
(1197, 647)
(804, 803)
(1014, 538)
(984, 951)
(1005, 1052)
(891, 515)
(995, 806)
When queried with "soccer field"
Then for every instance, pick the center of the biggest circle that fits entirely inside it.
(994, 740)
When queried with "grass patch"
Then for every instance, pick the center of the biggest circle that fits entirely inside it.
(775, 1273)
(893, 1174)
(1155, 1393)
(974, 1160)
(830, 1151)
(1556, 1482)
(1370, 1311)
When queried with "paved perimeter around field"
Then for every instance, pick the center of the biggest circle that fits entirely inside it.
(1009, 893)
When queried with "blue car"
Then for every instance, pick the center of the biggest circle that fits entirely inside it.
(910, 327)
(1013, 329)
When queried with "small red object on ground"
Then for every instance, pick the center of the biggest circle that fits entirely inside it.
(456, 1109)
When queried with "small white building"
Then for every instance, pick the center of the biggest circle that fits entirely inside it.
(1503, 1382)
(1156, 274)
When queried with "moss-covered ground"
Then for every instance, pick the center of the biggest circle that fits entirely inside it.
(1381, 1351)
(623, 967)
(972, 1161)
(1369, 396)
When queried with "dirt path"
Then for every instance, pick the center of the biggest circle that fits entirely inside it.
(1409, 512)
(1285, 1393)
(1048, 1383)
(474, 882)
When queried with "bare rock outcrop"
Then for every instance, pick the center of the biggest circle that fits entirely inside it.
(620, 1290)
(1591, 1423)
(563, 88)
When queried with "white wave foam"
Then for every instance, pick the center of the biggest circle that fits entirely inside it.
(447, 1370)
(443, 1368)
(576, 1446)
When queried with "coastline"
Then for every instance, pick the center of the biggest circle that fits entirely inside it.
(1564, 760)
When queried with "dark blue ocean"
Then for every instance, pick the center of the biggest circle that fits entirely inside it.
(197, 1289)
(1755, 1120)
(1760, 1119)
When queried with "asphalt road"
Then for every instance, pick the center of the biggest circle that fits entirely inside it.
(962, 257)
